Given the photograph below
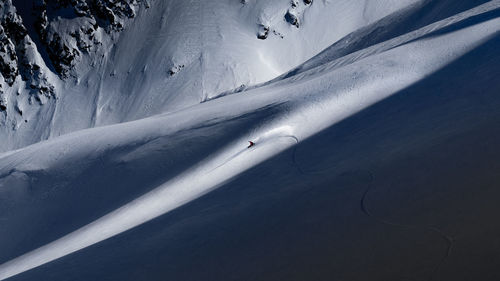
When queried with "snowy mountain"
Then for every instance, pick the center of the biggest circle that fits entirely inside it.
(43, 43)
(103, 62)
(125, 128)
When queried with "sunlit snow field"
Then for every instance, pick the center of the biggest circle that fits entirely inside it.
(375, 157)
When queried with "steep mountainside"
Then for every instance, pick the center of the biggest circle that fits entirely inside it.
(42, 43)
(70, 65)
(375, 159)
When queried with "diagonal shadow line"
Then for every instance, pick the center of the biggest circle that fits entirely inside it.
(430, 95)
(462, 24)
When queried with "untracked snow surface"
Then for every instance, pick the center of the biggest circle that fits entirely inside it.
(376, 127)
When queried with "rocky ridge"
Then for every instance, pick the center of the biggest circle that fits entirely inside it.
(65, 30)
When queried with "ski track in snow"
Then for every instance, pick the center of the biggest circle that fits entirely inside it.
(161, 200)
(215, 42)
(424, 58)
(446, 238)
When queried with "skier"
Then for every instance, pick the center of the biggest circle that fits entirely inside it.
(251, 144)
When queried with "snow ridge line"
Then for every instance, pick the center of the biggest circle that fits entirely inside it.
(448, 239)
(372, 50)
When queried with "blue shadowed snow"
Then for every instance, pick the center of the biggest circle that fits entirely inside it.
(381, 165)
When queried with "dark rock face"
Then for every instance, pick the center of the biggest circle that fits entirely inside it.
(175, 69)
(90, 15)
(294, 15)
(111, 12)
(12, 33)
(17, 55)
(292, 18)
(37, 82)
(3, 104)
(263, 32)
(87, 16)
(8, 58)
(65, 30)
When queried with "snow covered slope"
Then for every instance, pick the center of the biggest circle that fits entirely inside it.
(139, 58)
(378, 163)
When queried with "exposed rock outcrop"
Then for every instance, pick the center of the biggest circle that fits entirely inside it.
(292, 18)
(65, 39)
(65, 30)
(12, 34)
(19, 55)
